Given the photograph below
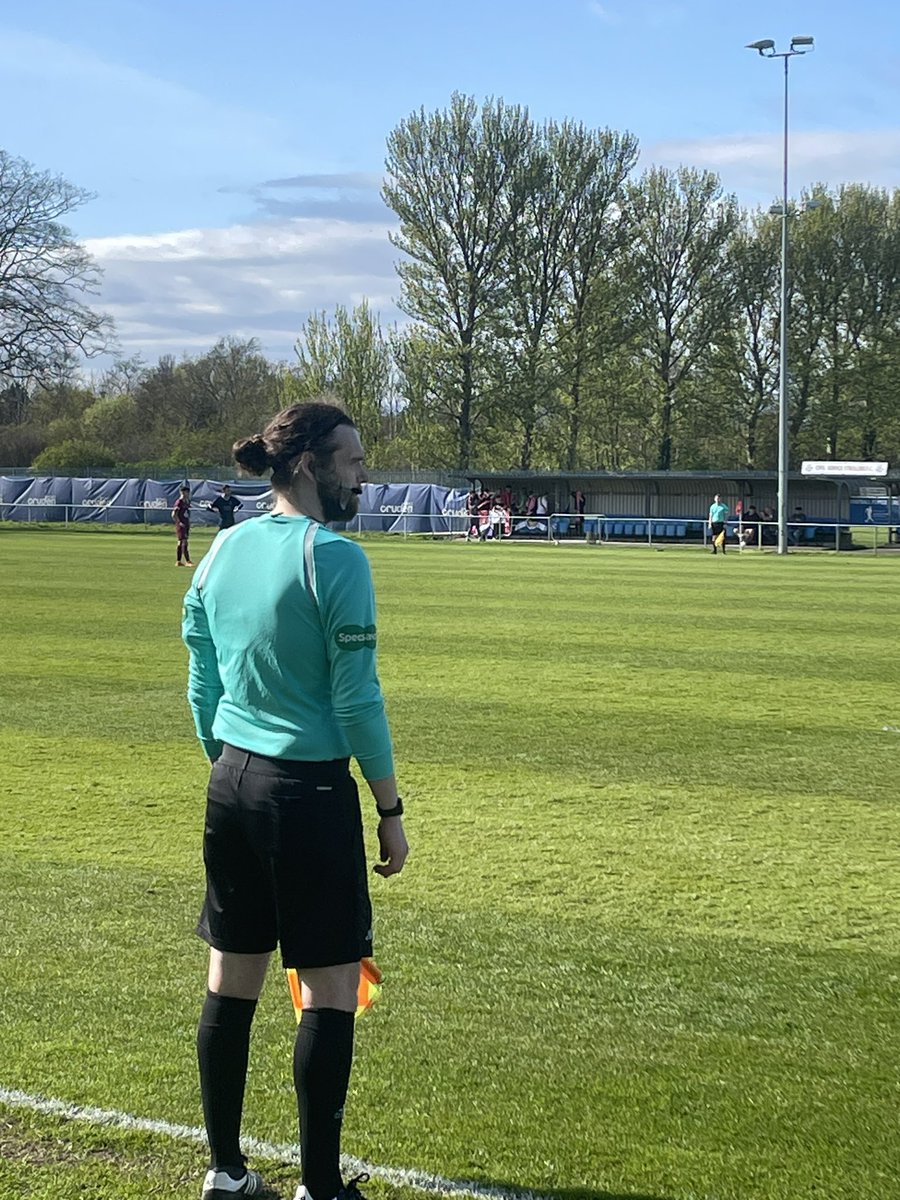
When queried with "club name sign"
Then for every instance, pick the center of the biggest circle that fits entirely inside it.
(871, 470)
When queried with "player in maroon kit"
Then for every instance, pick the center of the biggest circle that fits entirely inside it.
(181, 515)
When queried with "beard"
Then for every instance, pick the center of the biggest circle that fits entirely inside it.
(338, 503)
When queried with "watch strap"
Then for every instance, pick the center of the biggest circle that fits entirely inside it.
(396, 811)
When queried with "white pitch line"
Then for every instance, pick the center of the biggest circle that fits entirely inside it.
(420, 1181)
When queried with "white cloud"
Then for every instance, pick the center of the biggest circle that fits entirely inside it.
(177, 292)
(265, 241)
(750, 164)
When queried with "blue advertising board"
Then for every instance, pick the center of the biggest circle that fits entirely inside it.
(383, 507)
(879, 510)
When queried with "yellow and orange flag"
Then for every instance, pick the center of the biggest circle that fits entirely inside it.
(368, 993)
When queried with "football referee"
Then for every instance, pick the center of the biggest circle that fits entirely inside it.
(280, 625)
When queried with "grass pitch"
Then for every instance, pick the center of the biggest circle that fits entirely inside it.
(646, 947)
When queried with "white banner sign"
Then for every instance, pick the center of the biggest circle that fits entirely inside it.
(844, 468)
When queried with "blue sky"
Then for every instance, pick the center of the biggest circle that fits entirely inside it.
(235, 148)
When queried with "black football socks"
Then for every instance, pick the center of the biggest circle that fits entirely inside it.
(323, 1055)
(223, 1049)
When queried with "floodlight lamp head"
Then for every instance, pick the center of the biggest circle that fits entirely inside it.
(802, 41)
(766, 44)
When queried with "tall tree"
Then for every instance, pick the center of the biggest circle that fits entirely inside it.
(457, 181)
(871, 305)
(351, 357)
(680, 226)
(426, 436)
(574, 177)
(46, 277)
(845, 271)
(593, 324)
(746, 366)
(123, 377)
(231, 386)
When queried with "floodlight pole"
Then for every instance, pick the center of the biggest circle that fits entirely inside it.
(783, 449)
(767, 50)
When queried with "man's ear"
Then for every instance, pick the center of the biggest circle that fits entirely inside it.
(306, 466)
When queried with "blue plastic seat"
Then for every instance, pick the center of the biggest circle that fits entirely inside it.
(628, 529)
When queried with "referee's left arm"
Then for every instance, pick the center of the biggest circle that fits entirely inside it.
(347, 607)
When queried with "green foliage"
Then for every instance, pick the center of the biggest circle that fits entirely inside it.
(197, 447)
(458, 181)
(21, 444)
(74, 454)
(114, 421)
(349, 359)
(683, 298)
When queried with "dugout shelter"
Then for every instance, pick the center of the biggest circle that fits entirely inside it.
(684, 495)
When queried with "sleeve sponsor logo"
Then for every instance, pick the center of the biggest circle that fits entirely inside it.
(355, 637)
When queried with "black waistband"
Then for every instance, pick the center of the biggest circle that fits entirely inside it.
(329, 771)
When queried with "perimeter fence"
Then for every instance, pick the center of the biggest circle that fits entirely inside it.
(590, 529)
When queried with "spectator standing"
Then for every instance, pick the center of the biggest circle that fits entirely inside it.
(226, 506)
(472, 512)
(485, 502)
(718, 515)
(578, 505)
(181, 515)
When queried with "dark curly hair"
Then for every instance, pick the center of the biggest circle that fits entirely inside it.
(289, 434)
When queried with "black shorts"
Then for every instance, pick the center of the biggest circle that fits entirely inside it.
(285, 861)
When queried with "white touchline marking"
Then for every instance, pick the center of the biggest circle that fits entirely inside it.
(420, 1181)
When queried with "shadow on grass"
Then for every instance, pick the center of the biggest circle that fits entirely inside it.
(513, 1190)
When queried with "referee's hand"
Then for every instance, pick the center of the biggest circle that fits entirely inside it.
(392, 846)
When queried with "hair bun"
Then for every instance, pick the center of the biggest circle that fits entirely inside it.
(251, 454)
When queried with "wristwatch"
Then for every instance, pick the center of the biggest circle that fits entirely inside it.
(396, 811)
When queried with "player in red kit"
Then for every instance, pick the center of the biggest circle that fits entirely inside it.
(181, 515)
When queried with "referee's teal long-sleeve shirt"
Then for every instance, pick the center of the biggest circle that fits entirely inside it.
(280, 624)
